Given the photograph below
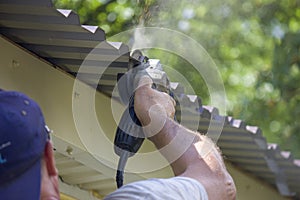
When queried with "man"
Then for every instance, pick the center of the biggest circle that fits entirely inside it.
(27, 167)
(200, 171)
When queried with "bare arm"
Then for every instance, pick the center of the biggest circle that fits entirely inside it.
(189, 153)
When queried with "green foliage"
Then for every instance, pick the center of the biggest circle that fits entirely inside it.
(255, 44)
(111, 15)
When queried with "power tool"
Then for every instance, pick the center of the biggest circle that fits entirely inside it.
(129, 135)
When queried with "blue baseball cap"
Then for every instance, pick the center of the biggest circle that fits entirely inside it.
(23, 137)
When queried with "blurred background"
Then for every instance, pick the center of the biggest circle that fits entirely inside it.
(254, 43)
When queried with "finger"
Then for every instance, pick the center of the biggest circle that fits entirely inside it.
(145, 81)
(173, 101)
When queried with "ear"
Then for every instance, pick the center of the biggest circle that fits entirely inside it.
(49, 159)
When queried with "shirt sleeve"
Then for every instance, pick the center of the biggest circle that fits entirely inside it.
(153, 189)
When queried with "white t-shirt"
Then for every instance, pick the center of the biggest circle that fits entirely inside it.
(176, 188)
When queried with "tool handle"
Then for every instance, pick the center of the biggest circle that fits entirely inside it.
(129, 137)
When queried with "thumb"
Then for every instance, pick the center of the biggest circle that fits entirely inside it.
(145, 81)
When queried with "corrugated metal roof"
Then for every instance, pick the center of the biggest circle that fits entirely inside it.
(57, 36)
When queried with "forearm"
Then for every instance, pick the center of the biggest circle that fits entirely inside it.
(189, 153)
(176, 144)
(193, 155)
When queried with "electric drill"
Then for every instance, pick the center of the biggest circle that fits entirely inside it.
(129, 135)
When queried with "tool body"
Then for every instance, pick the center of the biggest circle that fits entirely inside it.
(129, 135)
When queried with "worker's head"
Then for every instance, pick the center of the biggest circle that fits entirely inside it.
(26, 156)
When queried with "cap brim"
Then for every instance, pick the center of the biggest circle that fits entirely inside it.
(26, 186)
